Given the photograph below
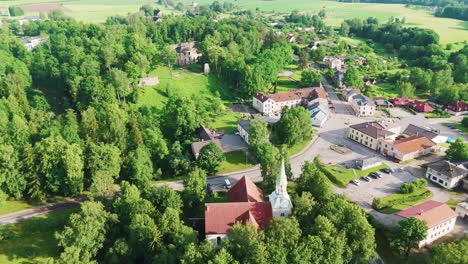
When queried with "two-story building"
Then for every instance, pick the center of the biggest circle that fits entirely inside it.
(370, 134)
(271, 104)
(457, 108)
(439, 217)
(360, 103)
(335, 63)
(445, 173)
(407, 148)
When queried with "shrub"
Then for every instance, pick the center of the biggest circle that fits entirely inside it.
(420, 183)
(15, 11)
(377, 204)
(407, 188)
(465, 121)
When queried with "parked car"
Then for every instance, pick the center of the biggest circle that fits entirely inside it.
(386, 170)
(375, 175)
(461, 133)
(365, 178)
(227, 184)
(355, 182)
(450, 126)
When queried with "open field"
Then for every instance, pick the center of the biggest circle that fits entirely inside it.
(399, 201)
(32, 241)
(344, 176)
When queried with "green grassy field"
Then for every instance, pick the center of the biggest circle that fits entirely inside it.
(32, 241)
(399, 201)
(11, 205)
(235, 161)
(385, 89)
(344, 176)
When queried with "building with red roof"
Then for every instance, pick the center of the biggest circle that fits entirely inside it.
(457, 108)
(421, 106)
(273, 103)
(439, 217)
(400, 101)
(407, 148)
(245, 205)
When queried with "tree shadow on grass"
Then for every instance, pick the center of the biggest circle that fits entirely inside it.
(33, 240)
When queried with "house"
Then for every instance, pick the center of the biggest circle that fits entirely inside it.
(246, 205)
(271, 104)
(401, 101)
(187, 53)
(334, 63)
(421, 106)
(350, 92)
(440, 219)
(414, 130)
(197, 146)
(243, 126)
(368, 162)
(435, 102)
(445, 173)
(31, 42)
(457, 108)
(148, 81)
(369, 134)
(362, 105)
(319, 114)
(381, 102)
(407, 148)
(462, 210)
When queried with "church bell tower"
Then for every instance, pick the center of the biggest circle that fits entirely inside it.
(279, 198)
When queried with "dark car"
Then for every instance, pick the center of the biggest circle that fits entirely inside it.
(386, 170)
(365, 178)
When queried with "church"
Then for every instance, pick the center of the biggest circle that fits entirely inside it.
(246, 205)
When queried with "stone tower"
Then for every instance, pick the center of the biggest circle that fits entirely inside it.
(279, 198)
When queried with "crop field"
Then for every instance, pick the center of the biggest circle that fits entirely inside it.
(450, 30)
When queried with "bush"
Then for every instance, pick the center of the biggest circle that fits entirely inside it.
(15, 11)
(327, 173)
(377, 204)
(407, 188)
(420, 183)
(465, 121)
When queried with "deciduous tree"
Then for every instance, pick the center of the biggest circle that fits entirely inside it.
(408, 233)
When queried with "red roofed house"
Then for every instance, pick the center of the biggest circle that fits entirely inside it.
(440, 219)
(402, 101)
(273, 103)
(421, 106)
(407, 148)
(457, 108)
(246, 205)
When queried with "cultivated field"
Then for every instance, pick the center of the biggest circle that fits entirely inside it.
(450, 30)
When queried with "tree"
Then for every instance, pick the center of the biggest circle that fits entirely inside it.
(222, 257)
(465, 121)
(12, 181)
(258, 132)
(406, 89)
(303, 59)
(313, 181)
(310, 77)
(163, 198)
(169, 57)
(282, 237)
(139, 167)
(457, 151)
(120, 82)
(353, 78)
(408, 233)
(344, 29)
(269, 158)
(195, 189)
(451, 253)
(440, 80)
(180, 118)
(210, 157)
(246, 236)
(73, 166)
(295, 126)
(84, 235)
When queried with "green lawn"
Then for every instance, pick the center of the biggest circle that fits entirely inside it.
(285, 84)
(11, 206)
(344, 176)
(399, 201)
(385, 89)
(190, 83)
(235, 161)
(298, 147)
(32, 241)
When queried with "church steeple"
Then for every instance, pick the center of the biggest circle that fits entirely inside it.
(280, 202)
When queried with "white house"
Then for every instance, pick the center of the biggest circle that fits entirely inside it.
(370, 134)
(362, 105)
(445, 173)
(243, 127)
(440, 219)
(271, 104)
(31, 42)
(334, 63)
(407, 148)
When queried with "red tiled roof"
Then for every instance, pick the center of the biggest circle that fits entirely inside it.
(401, 101)
(245, 191)
(305, 93)
(413, 144)
(421, 106)
(220, 217)
(432, 212)
(459, 106)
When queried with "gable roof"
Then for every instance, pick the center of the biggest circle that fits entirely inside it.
(414, 130)
(413, 144)
(245, 124)
(448, 169)
(299, 94)
(220, 217)
(245, 191)
(431, 212)
(421, 106)
(459, 106)
(372, 129)
(400, 101)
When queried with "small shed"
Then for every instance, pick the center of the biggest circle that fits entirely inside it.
(367, 163)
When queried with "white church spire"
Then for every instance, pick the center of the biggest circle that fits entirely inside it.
(280, 202)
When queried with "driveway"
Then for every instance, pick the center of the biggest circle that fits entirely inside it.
(231, 142)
